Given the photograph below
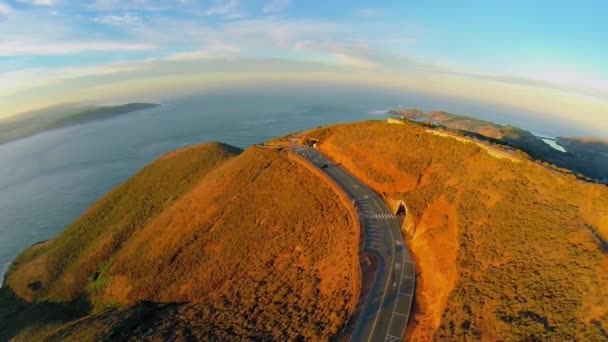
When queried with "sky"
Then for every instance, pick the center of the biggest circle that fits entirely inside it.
(545, 57)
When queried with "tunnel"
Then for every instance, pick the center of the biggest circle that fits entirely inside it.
(401, 209)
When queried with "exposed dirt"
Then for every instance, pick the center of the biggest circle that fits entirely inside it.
(435, 247)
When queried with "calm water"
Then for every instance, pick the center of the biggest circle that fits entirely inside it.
(48, 180)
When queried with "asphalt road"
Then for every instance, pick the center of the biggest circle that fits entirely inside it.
(386, 310)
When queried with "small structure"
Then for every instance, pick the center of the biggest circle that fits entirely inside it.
(311, 142)
(398, 207)
(401, 209)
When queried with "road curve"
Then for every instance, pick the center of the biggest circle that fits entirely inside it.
(386, 310)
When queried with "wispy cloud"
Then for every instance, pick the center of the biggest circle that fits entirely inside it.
(39, 2)
(5, 9)
(355, 62)
(132, 5)
(119, 19)
(20, 48)
(276, 6)
(228, 9)
(593, 88)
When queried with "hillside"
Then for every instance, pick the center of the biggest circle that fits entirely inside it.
(506, 248)
(30, 123)
(585, 156)
(214, 243)
(201, 244)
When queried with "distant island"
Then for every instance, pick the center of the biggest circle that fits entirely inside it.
(588, 157)
(34, 122)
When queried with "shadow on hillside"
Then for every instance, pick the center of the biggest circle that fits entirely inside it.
(600, 240)
(16, 314)
(587, 160)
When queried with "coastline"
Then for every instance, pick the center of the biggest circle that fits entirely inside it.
(3, 272)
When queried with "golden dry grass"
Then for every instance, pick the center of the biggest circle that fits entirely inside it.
(64, 265)
(257, 248)
(523, 263)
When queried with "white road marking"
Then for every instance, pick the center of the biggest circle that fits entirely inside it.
(382, 216)
(366, 211)
(391, 338)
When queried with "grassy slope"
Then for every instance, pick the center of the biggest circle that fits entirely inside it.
(257, 249)
(59, 268)
(504, 249)
(64, 264)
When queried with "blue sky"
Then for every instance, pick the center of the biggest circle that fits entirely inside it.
(546, 56)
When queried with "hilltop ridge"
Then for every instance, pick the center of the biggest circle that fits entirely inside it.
(207, 241)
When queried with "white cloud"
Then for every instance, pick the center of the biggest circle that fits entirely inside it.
(355, 62)
(188, 56)
(20, 48)
(120, 19)
(40, 2)
(139, 5)
(276, 6)
(5, 9)
(226, 9)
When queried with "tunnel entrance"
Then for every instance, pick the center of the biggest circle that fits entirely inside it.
(401, 210)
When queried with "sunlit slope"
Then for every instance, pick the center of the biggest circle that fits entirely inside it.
(504, 246)
(60, 268)
(258, 248)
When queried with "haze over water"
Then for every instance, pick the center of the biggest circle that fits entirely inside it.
(48, 180)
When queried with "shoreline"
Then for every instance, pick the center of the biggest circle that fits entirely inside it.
(4, 270)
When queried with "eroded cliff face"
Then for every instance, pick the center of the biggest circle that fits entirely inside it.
(435, 248)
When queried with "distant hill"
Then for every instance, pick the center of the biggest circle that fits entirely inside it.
(585, 156)
(206, 243)
(30, 123)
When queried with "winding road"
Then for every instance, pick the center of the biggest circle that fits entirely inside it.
(386, 309)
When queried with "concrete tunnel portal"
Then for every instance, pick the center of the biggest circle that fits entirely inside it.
(401, 209)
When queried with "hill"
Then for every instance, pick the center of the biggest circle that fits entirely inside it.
(585, 156)
(506, 248)
(214, 243)
(30, 123)
(205, 243)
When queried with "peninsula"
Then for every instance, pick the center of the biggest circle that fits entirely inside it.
(34, 122)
